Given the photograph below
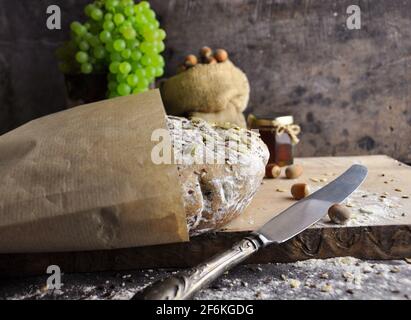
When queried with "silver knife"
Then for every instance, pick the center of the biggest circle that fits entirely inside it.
(281, 228)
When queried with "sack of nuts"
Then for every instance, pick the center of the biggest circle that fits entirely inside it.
(210, 87)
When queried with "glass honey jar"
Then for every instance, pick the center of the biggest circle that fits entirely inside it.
(280, 136)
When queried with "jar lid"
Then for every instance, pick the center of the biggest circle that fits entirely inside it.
(283, 120)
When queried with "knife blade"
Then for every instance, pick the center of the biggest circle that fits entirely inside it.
(279, 229)
(311, 209)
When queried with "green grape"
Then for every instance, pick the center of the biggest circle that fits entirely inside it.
(96, 14)
(86, 68)
(105, 36)
(124, 67)
(94, 41)
(127, 24)
(126, 53)
(129, 11)
(156, 24)
(140, 73)
(121, 77)
(144, 5)
(148, 27)
(139, 90)
(114, 67)
(146, 60)
(159, 46)
(137, 9)
(159, 72)
(132, 80)
(141, 19)
(132, 44)
(127, 3)
(129, 33)
(132, 20)
(108, 25)
(87, 36)
(81, 57)
(142, 83)
(83, 46)
(118, 19)
(149, 35)
(161, 34)
(123, 36)
(136, 55)
(99, 52)
(150, 14)
(136, 66)
(147, 47)
(115, 56)
(78, 28)
(119, 45)
(150, 72)
(157, 60)
(88, 9)
(111, 5)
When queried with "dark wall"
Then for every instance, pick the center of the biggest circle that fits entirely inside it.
(349, 90)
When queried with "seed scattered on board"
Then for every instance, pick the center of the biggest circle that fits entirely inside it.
(326, 288)
(294, 283)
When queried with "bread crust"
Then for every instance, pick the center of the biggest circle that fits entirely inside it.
(216, 192)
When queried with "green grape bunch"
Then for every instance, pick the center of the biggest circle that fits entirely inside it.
(120, 38)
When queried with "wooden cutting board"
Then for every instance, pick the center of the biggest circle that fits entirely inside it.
(379, 229)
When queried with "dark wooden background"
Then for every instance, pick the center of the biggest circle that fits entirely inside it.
(349, 90)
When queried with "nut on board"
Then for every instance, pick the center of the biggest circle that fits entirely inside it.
(272, 171)
(294, 171)
(300, 191)
(339, 214)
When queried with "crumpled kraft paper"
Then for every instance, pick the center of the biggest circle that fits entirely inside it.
(82, 179)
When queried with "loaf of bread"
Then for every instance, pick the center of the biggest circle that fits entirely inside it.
(220, 169)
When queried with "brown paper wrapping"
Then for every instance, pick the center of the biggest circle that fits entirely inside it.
(83, 179)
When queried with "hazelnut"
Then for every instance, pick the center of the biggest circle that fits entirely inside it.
(221, 55)
(294, 171)
(300, 191)
(206, 52)
(190, 61)
(272, 171)
(339, 214)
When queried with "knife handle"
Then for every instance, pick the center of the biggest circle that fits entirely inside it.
(185, 284)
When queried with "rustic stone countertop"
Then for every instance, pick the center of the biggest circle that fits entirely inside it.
(337, 278)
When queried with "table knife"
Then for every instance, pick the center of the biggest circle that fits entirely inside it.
(281, 228)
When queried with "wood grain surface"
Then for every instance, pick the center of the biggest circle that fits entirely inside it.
(384, 234)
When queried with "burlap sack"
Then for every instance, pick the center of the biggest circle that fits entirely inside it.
(208, 88)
